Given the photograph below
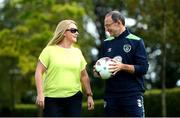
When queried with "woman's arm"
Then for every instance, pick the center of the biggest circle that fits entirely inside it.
(40, 69)
(86, 84)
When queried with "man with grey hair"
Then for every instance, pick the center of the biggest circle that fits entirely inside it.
(124, 89)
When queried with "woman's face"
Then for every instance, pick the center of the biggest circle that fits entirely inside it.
(71, 33)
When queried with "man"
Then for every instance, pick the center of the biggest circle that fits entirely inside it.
(124, 90)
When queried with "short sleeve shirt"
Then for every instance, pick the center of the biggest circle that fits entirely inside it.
(63, 70)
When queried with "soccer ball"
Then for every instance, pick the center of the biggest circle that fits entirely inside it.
(101, 67)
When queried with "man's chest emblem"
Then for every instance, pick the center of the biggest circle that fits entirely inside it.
(127, 48)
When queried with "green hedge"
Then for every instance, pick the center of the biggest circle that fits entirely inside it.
(28, 110)
(31, 110)
(98, 111)
(152, 102)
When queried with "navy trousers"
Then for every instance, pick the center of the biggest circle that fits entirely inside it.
(132, 106)
(70, 106)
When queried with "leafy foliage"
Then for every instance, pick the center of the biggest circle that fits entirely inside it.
(26, 27)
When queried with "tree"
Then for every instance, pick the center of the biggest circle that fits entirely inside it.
(26, 27)
(149, 25)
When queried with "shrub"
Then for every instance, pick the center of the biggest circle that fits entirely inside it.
(152, 102)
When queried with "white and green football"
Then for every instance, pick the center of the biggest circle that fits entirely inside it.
(102, 66)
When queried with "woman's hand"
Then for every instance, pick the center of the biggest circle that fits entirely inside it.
(40, 101)
(90, 103)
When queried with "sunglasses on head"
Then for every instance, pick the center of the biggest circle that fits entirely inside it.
(73, 30)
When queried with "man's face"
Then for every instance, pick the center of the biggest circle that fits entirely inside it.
(110, 26)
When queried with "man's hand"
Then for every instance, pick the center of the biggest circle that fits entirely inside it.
(115, 66)
(119, 66)
(95, 73)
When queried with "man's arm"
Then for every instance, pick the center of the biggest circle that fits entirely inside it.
(141, 64)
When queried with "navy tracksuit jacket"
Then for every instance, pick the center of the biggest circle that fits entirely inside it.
(131, 49)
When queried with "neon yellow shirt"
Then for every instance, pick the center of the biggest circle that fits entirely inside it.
(64, 66)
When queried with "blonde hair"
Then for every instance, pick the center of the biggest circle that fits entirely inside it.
(59, 32)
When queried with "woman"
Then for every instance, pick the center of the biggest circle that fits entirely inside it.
(60, 73)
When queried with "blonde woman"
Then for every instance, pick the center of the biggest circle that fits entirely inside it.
(60, 73)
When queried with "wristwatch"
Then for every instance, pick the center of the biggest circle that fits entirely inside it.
(89, 94)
